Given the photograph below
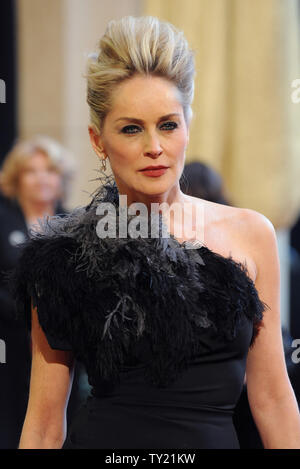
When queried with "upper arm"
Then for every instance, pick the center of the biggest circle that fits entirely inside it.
(50, 383)
(266, 371)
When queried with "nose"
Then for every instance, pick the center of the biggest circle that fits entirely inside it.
(152, 146)
(42, 174)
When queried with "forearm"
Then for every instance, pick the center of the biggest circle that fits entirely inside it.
(278, 423)
(33, 437)
(33, 441)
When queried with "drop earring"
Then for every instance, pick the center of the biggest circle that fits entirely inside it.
(103, 160)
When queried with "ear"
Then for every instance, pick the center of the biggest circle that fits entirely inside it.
(95, 140)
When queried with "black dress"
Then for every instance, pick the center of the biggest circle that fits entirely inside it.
(163, 328)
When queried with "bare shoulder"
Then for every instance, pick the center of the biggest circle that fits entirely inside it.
(243, 233)
(244, 224)
(258, 231)
(228, 214)
(262, 238)
(242, 218)
(258, 223)
(256, 236)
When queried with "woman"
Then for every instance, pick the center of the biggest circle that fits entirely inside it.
(35, 179)
(162, 325)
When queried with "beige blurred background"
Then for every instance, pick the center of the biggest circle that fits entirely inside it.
(245, 123)
(55, 37)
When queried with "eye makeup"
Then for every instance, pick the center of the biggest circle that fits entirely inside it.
(170, 125)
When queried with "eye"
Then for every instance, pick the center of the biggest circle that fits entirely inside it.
(169, 125)
(28, 170)
(130, 129)
(134, 129)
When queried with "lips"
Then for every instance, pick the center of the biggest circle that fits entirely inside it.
(154, 171)
(153, 168)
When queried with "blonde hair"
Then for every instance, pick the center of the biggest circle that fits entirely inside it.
(22, 150)
(143, 45)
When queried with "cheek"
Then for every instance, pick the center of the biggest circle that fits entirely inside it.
(178, 145)
(184, 138)
(26, 181)
(125, 151)
(55, 180)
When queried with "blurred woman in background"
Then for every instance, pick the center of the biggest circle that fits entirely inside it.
(34, 181)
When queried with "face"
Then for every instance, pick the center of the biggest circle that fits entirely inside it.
(39, 180)
(145, 127)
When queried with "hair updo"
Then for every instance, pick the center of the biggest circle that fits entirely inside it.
(138, 45)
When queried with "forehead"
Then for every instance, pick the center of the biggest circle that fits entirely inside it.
(145, 95)
(37, 157)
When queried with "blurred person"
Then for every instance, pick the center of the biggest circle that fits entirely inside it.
(34, 181)
(200, 180)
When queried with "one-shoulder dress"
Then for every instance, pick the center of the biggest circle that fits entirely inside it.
(162, 328)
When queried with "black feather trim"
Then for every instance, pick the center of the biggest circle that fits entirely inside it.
(104, 298)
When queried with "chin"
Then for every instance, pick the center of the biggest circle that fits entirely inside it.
(156, 187)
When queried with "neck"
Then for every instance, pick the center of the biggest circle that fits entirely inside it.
(172, 214)
(174, 195)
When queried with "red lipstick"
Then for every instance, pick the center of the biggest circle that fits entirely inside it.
(154, 171)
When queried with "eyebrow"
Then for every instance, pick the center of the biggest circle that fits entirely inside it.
(140, 121)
